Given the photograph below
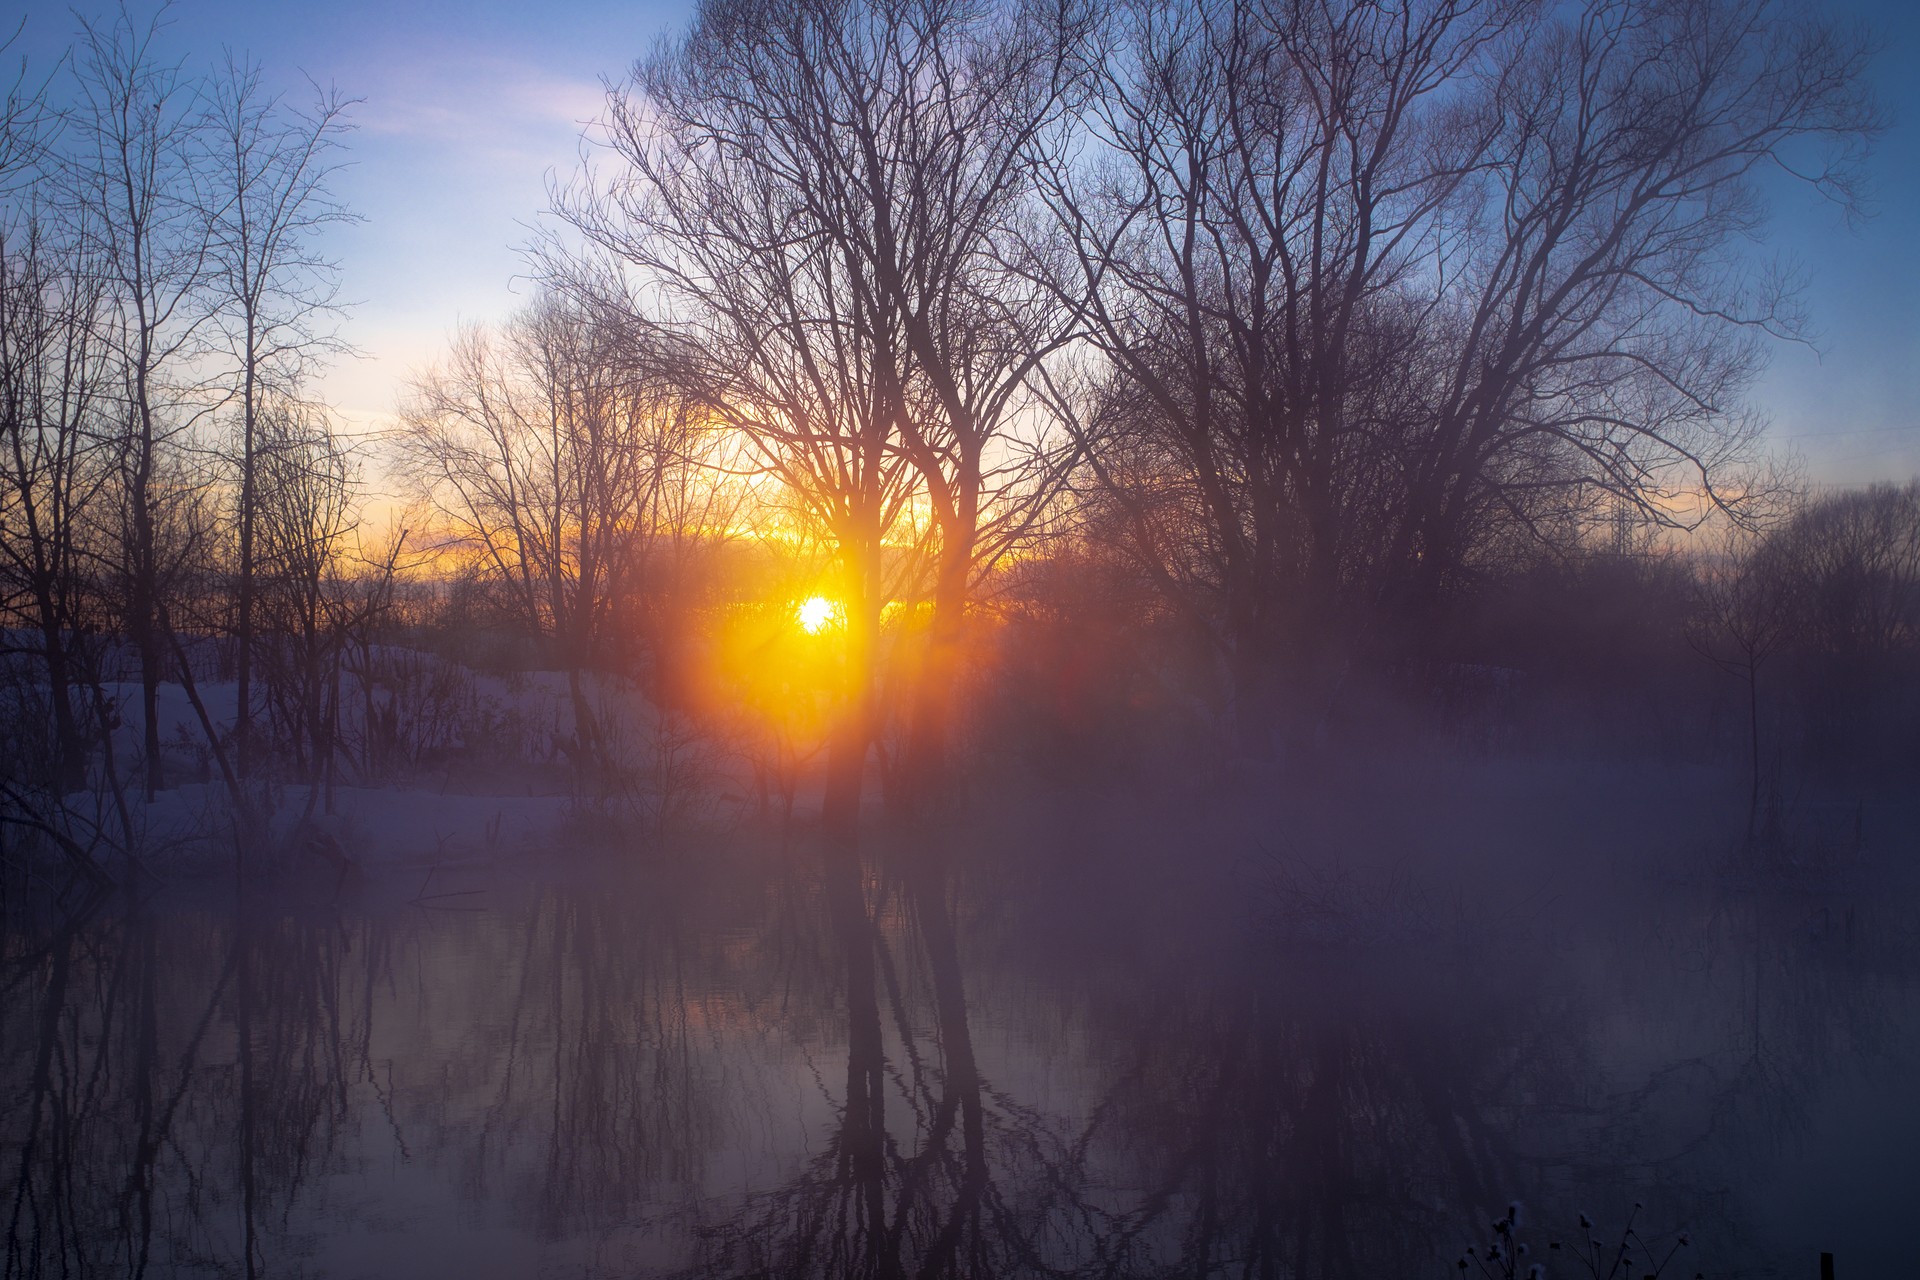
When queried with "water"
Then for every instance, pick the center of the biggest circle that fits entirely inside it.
(1276, 1068)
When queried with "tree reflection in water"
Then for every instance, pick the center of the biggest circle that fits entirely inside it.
(927, 1171)
(643, 1075)
(183, 1075)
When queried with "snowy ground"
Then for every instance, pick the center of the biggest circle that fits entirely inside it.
(478, 769)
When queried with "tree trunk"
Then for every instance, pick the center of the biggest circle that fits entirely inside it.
(243, 605)
(70, 749)
(147, 643)
(930, 729)
(863, 1130)
(586, 729)
(1753, 741)
(143, 595)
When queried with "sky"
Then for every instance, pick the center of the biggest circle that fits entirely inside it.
(467, 109)
(470, 108)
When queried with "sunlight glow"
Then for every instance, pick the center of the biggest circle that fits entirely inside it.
(815, 613)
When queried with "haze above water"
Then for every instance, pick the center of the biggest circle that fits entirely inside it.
(1100, 1056)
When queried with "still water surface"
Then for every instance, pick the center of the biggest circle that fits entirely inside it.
(622, 1072)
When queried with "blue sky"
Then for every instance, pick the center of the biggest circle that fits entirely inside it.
(470, 106)
(1852, 407)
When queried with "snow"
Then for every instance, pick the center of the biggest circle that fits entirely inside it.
(479, 769)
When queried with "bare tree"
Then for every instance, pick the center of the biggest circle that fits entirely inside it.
(306, 525)
(1385, 285)
(133, 161)
(269, 188)
(1610, 311)
(1853, 561)
(930, 120)
(1848, 564)
(54, 375)
(831, 205)
(1745, 617)
(740, 253)
(556, 454)
(1272, 180)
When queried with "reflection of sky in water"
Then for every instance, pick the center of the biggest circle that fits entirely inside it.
(606, 1077)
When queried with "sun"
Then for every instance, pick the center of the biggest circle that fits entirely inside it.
(816, 613)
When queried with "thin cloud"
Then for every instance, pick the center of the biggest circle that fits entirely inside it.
(485, 107)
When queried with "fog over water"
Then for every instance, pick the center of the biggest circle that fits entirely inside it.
(1100, 1055)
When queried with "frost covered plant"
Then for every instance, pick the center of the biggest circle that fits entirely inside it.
(1630, 1256)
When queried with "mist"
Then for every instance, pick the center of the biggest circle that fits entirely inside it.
(1061, 640)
